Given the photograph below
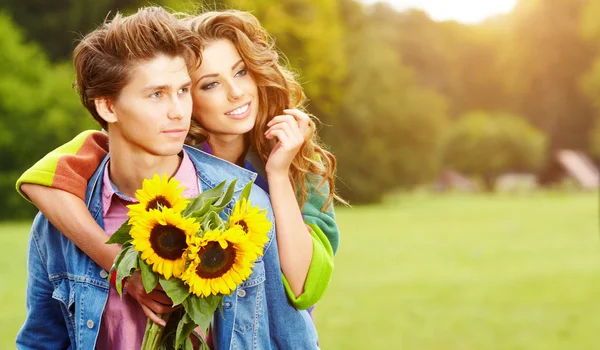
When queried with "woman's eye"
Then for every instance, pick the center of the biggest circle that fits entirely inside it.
(209, 86)
(241, 72)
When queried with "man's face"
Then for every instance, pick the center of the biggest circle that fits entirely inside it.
(153, 111)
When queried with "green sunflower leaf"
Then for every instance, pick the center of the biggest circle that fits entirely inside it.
(175, 289)
(149, 278)
(207, 196)
(122, 253)
(184, 329)
(126, 264)
(246, 191)
(212, 221)
(121, 236)
(187, 344)
(200, 213)
(226, 197)
(201, 309)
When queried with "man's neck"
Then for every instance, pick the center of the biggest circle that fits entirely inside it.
(129, 168)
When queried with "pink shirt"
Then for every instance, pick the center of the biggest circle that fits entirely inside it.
(123, 320)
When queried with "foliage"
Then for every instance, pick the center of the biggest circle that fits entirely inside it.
(389, 129)
(487, 145)
(39, 111)
(385, 84)
(57, 25)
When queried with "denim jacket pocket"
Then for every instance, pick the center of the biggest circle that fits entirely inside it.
(65, 294)
(250, 301)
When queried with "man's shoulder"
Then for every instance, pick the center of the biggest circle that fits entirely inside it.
(45, 235)
(213, 170)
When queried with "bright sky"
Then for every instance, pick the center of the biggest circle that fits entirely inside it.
(466, 11)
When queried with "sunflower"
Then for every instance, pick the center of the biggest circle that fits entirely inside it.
(252, 220)
(161, 237)
(158, 193)
(220, 261)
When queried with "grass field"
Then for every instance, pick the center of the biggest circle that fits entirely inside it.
(425, 272)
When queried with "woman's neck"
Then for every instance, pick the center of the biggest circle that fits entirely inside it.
(228, 148)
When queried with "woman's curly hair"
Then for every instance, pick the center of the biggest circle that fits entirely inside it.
(313, 167)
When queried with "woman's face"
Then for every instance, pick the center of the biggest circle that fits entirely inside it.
(224, 93)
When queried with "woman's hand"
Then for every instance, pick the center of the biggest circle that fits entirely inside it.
(153, 303)
(290, 131)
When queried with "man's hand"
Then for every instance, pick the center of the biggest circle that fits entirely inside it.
(153, 303)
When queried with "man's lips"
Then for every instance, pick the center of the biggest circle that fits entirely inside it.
(174, 132)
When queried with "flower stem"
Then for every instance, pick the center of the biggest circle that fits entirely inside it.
(153, 333)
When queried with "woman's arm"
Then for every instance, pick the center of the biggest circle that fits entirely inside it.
(69, 215)
(294, 241)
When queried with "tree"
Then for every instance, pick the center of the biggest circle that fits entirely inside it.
(57, 24)
(39, 111)
(547, 58)
(388, 132)
(486, 145)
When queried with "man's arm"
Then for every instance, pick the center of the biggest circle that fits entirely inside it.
(70, 216)
(44, 326)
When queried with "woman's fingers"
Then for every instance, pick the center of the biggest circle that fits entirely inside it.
(290, 135)
(285, 118)
(304, 122)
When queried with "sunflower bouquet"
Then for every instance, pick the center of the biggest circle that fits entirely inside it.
(197, 249)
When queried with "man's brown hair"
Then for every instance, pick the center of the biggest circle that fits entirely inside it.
(104, 59)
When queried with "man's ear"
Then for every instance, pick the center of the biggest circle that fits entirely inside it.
(105, 109)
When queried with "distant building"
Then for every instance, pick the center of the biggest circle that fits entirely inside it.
(568, 164)
(449, 179)
(514, 182)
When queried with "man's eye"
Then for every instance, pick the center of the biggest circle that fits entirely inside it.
(156, 94)
(183, 91)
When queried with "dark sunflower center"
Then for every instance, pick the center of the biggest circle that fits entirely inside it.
(158, 203)
(244, 225)
(215, 261)
(168, 241)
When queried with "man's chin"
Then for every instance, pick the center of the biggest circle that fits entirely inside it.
(169, 150)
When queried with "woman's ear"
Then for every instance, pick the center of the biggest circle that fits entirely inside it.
(105, 109)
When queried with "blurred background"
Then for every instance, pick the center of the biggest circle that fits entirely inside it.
(467, 135)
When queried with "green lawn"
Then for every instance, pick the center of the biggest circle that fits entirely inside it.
(429, 272)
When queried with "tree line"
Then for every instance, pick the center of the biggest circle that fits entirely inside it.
(400, 96)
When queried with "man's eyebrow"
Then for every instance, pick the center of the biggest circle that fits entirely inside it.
(155, 87)
(165, 87)
(186, 83)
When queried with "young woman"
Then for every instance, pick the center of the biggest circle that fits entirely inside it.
(247, 111)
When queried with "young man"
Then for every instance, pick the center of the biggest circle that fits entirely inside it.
(132, 76)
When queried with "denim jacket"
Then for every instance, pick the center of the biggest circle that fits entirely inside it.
(67, 291)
